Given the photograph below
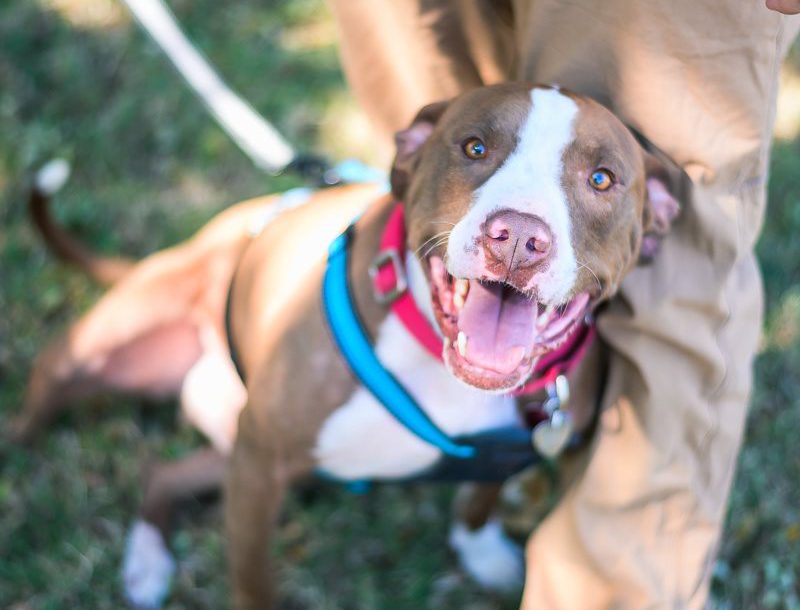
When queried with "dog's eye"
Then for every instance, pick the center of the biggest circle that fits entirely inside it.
(474, 148)
(601, 179)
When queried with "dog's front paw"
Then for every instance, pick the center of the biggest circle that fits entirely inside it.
(491, 559)
(148, 567)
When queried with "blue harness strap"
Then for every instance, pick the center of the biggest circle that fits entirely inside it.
(489, 456)
(355, 347)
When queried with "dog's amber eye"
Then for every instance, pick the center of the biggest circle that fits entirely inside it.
(601, 179)
(474, 148)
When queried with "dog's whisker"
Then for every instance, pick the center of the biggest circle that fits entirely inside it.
(441, 242)
(437, 239)
(433, 246)
(589, 269)
(443, 234)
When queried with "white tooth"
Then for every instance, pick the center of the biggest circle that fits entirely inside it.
(461, 343)
(546, 316)
(460, 290)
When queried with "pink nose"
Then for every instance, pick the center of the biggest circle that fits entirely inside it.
(517, 240)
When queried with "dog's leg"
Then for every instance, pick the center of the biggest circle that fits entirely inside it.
(492, 559)
(148, 565)
(139, 339)
(200, 472)
(253, 497)
(152, 364)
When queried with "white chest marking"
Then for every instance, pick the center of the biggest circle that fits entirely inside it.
(529, 181)
(362, 440)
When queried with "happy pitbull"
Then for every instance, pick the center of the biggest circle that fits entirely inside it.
(523, 209)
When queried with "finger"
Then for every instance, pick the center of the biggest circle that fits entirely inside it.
(787, 7)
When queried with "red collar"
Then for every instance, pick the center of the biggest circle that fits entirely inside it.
(391, 287)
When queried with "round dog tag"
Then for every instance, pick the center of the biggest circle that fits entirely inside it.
(551, 436)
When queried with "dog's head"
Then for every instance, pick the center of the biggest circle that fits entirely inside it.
(526, 207)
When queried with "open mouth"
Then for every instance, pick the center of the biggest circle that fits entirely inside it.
(493, 332)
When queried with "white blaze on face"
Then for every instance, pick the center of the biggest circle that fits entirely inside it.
(529, 181)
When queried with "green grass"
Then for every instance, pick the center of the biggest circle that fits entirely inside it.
(150, 167)
(759, 565)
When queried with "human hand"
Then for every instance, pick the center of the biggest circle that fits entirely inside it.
(787, 7)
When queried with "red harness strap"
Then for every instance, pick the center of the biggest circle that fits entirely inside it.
(390, 286)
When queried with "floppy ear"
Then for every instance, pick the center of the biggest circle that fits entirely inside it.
(408, 143)
(665, 185)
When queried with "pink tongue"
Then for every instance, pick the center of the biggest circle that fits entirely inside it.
(499, 327)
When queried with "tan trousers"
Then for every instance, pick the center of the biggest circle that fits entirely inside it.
(641, 526)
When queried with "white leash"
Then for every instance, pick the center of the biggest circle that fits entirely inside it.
(249, 130)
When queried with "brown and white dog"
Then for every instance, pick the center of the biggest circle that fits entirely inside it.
(525, 207)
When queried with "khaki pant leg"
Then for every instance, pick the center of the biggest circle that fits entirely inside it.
(641, 526)
(399, 55)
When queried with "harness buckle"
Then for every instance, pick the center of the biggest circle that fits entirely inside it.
(389, 256)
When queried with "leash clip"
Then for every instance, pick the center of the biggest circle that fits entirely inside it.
(391, 257)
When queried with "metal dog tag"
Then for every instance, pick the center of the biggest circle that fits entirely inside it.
(552, 435)
(562, 390)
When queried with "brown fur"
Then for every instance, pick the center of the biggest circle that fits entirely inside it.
(612, 220)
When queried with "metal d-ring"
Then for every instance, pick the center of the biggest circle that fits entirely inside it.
(390, 255)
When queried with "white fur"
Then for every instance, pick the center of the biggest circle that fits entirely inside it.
(148, 567)
(52, 177)
(491, 559)
(419, 289)
(361, 439)
(212, 395)
(528, 181)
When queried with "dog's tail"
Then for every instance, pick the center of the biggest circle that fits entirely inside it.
(49, 180)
